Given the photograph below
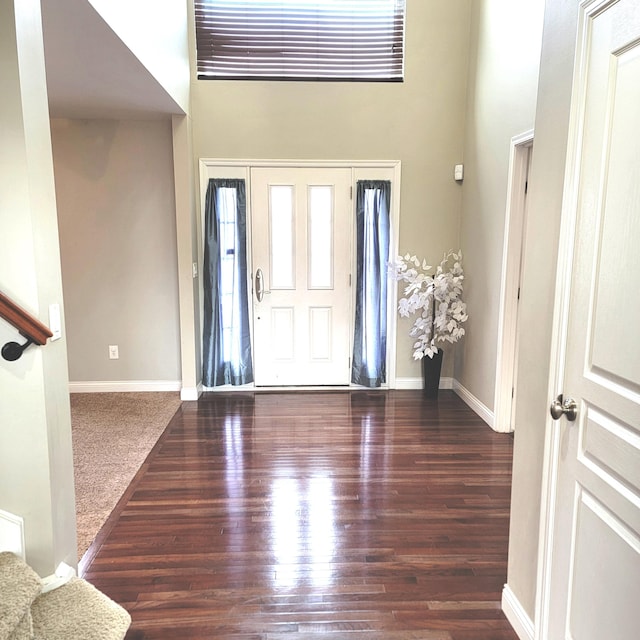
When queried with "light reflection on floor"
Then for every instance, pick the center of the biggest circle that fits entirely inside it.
(302, 532)
(302, 511)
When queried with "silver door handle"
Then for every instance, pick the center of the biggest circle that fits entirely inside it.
(564, 407)
(260, 285)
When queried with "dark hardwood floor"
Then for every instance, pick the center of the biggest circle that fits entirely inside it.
(306, 515)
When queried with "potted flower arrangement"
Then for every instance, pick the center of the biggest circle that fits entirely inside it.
(436, 298)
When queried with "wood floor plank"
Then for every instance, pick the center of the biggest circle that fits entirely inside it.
(342, 515)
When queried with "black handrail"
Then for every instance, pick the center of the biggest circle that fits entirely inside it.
(29, 327)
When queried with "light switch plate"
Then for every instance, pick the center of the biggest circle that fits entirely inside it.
(55, 321)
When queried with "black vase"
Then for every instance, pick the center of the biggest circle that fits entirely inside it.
(431, 368)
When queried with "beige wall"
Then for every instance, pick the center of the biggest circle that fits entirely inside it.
(546, 185)
(503, 76)
(36, 466)
(116, 209)
(419, 122)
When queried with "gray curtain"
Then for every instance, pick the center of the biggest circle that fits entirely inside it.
(372, 232)
(226, 341)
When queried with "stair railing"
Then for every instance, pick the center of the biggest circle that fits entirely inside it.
(29, 327)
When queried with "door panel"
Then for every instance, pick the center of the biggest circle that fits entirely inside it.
(595, 577)
(301, 240)
(605, 577)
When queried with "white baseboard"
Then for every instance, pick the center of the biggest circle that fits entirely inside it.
(516, 615)
(473, 403)
(122, 386)
(416, 383)
(191, 394)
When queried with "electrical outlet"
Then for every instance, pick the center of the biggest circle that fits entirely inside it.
(113, 352)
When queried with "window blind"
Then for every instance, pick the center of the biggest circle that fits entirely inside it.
(300, 39)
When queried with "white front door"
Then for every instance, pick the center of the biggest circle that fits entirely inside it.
(301, 262)
(595, 560)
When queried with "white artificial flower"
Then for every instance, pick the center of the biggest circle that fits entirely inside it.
(435, 297)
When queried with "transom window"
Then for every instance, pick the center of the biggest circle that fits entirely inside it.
(300, 39)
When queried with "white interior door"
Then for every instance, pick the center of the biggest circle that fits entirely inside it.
(301, 263)
(595, 567)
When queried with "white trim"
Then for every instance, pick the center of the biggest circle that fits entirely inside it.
(191, 394)
(516, 615)
(547, 525)
(512, 252)
(451, 383)
(473, 403)
(240, 387)
(206, 163)
(228, 388)
(417, 383)
(564, 268)
(123, 386)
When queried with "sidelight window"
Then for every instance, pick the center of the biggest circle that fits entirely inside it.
(372, 232)
(226, 342)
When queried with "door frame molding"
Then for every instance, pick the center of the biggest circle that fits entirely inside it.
(560, 325)
(243, 165)
(512, 253)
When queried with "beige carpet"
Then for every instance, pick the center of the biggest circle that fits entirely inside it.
(71, 611)
(112, 435)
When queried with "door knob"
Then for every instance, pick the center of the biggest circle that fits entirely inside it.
(260, 291)
(259, 285)
(564, 407)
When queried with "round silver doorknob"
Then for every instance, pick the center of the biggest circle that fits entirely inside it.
(564, 407)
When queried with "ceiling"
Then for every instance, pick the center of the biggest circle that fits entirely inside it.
(91, 73)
